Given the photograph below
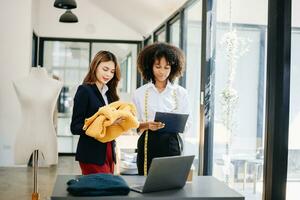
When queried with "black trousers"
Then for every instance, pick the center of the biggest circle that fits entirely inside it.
(159, 145)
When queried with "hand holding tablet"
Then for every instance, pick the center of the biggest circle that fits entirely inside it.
(174, 122)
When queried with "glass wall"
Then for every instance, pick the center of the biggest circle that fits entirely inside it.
(193, 63)
(68, 62)
(160, 35)
(293, 177)
(239, 95)
(175, 35)
(175, 32)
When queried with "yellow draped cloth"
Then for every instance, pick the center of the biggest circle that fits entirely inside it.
(99, 126)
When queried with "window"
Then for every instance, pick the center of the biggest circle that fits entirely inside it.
(67, 62)
(293, 176)
(175, 32)
(193, 70)
(126, 73)
(160, 35)
(239, 95)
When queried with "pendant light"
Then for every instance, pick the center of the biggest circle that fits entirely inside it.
(65, 4)
(68, 17)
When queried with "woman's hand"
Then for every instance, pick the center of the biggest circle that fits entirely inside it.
(154, 126)
(118, 121)
(151, 125)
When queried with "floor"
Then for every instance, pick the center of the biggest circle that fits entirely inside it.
(17, 182)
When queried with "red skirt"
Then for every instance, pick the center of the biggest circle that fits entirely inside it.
(107, 167)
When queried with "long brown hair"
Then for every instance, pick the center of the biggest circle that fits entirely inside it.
(90, 78)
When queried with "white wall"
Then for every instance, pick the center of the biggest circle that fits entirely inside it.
(15, 61)
(35, 16)
(94, 23)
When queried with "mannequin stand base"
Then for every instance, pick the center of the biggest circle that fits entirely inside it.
(35, 196)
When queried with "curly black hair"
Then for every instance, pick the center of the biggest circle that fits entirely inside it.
(156, 51)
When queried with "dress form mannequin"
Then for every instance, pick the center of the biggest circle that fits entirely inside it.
(37, 94)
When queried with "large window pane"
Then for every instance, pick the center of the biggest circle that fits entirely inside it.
(239, 95)
(175, 33)
(293, 176)
(68, 62)
(160, 36)
(193, 62)
(175, 36)
(66, 54)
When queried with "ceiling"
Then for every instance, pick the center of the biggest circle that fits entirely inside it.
(143, 16)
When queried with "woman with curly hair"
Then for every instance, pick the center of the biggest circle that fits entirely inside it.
(159, 64)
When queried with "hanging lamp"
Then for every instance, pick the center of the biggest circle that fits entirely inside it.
(65, 4)
(68, 17)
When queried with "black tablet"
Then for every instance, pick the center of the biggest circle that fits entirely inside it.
(174, 122)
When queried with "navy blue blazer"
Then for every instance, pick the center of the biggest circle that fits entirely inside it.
(87, 101)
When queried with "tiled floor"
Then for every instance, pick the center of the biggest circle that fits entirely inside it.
(16, 183)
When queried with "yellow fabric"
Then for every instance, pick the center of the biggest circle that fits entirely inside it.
(99, 126)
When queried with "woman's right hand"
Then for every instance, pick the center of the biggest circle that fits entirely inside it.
(154, 126)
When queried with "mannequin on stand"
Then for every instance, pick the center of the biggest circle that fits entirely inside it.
(37, 94)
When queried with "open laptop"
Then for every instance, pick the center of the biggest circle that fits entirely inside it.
(166, 173)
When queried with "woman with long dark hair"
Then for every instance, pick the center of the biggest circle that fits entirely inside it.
(99, 88)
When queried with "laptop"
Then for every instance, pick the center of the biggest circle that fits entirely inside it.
(166, 173)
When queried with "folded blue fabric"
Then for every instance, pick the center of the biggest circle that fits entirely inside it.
(98, 185)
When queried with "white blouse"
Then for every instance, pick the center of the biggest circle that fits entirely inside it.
(173, 98)
(103, 91)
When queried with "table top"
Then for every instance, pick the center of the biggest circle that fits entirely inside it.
(202, 187)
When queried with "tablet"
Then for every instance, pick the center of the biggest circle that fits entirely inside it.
(174, 122)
